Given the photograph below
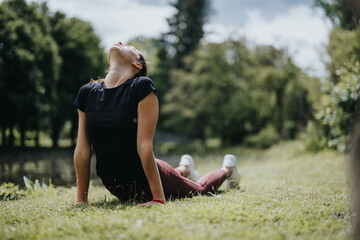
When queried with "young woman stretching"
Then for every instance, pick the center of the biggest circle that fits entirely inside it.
(117, 119)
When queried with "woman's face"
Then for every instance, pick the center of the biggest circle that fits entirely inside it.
(123, 54)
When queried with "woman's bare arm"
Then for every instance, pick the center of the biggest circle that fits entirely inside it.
(82, 157)
(148, 111)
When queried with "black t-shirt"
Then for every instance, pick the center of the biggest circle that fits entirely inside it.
(111, 123)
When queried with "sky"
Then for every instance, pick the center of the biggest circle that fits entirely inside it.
(294, 25)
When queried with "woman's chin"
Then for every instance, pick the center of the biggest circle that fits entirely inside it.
(114, 47)
(114, 51)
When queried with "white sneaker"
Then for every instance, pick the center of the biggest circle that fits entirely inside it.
(187, 161)
(234, 179)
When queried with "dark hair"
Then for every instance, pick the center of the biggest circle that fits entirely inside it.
(143, 71)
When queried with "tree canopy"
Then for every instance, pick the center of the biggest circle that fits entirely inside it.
(44, 59)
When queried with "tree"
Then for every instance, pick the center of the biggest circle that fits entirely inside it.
(339, 102)
(277, 72)
(44, 59)
(184, 35)
(186, 28)
(215, 98)
(231, 91)
(29, 59)
(343, 48)
(192, 104)
(82, 58)
(49, 63)
(342, 13)
(248, 108)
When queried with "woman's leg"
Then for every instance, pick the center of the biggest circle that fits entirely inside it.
(175, 185)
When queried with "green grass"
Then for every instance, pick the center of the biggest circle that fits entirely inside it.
(285, 193)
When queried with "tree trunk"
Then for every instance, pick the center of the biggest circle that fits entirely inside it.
(304, 111)
(11, 136)
(55, 132)
(37, 140)
(279, 106)
(3, 136)
(22, 135)
(55, 172)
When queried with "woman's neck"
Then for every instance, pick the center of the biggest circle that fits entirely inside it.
(116, 77)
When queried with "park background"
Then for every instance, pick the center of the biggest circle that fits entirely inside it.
(256, 78)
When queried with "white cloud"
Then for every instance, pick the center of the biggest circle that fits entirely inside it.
(117, 20)
(301, 30)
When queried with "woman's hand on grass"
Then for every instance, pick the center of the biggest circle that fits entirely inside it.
(152, 202)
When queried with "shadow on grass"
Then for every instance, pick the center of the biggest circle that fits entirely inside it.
(117, 204)
(114, 204)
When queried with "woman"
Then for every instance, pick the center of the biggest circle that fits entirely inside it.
(117, 117)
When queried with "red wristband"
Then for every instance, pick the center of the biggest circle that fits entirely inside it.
(156, 200)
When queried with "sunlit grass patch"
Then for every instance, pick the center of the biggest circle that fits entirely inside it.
(285, 193)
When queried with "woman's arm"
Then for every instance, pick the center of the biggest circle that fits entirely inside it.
(148, 110)
(82, 157)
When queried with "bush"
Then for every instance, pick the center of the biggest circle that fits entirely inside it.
(10, 191)
(264, 139)
(314, 139)
(35, 187)
(337, 107)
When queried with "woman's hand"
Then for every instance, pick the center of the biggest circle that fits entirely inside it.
(152, 202)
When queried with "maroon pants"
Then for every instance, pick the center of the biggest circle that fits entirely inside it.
(175, 185)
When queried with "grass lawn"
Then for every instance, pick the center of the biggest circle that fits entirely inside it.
(286, 193)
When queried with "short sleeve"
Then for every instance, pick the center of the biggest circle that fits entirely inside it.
(81, 99)
(144, 87)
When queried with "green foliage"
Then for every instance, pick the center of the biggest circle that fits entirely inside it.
(338, 103)
(229, 91)
(339, 100)
(278, 72)
(183, 37)
(285, 194)
(82, 59)
(30, 64)
(9, 191)
(192, 105)
(314, 139)
(264, 139)
(338, 107)
(343, 48)
(35, 187)
(342, 13)
(186, 28)
(37, 49)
